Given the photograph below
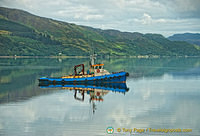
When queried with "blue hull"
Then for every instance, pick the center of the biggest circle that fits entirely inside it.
(115, 87)
(111, 78)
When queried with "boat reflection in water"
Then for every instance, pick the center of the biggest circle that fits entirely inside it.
(95, 91)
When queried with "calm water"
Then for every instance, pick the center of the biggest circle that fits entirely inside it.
(163, 93)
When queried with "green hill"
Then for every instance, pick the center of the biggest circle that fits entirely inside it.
(188, 37)
(22, 33)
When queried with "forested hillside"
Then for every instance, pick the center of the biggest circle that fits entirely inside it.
(22, 33)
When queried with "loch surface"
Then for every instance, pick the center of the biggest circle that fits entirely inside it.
(164, 93)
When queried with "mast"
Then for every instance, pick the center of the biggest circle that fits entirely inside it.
(93, 58)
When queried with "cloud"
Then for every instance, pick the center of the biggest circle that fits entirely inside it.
(146, 19)
(126, 15)
(182, 8)
(83, 13)
(87, 16)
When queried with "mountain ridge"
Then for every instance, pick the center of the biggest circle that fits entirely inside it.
(193, 38)
(45, 37)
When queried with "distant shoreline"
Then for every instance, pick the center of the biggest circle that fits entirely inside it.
(44, 56)
(139, 56)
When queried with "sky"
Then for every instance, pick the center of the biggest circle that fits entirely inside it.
(165, 17)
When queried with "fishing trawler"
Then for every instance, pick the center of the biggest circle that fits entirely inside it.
(96, 74)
